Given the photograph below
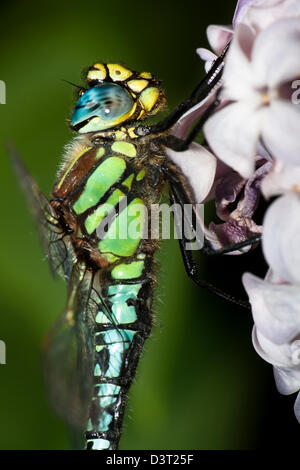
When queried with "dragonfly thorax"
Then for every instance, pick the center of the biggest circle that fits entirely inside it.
(103, 190)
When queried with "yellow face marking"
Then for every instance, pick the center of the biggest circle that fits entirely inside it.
(141, 114)
(146, 75)
(118, 72)
(100, 67)
(149, 97)
(94, 75)
(126, 148)
(120, 135)
(131, 132)
(137, 85)
(99, 74)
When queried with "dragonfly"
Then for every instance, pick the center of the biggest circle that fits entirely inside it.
(92, 352)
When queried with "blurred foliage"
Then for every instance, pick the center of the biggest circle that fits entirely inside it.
(199, 385)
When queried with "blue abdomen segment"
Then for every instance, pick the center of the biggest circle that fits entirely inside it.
(123, 322)
(111, 346)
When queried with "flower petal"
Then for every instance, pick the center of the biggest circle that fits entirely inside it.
(275, 354)
(199, 167)
(241, 10)
(274, 277)
(287, 380)
(275, 308)
(182, 126)
(281, 179)
(227, 190)
(238, 78)
(218, 37)
(248, 204)
(280, 131)
(232, 133)
(297, 407)
(266, 54)
(207, 56)
(265, 12)
(234, 231)
(281, 246)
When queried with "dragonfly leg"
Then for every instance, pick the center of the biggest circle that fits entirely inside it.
(208, 250)
(180, 145)
(192, 271)
(190, 265)
(202, 91)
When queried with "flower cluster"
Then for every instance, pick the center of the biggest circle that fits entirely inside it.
(253, 149)
(276, 299)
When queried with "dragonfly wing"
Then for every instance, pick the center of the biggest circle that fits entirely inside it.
(69, 354)
(57, 245)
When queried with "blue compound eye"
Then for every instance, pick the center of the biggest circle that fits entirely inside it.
(107, 102)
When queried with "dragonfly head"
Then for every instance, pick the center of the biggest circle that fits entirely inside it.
(116, 94)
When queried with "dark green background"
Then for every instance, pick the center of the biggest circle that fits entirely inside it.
(199, 385)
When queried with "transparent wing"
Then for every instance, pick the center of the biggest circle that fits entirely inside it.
(57, 245)
(69, 353)
(69, 350)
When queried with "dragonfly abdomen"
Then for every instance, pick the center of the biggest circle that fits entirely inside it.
(119, 339)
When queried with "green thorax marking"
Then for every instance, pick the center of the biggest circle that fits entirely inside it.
(105, 175)
(128, 271)
(125, 148)
(126, 231)
(93, 220)
(100, 152)
(140, 175)
(128, 181)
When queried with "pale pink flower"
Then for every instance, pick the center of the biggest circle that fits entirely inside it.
(259, 14)
(276, 334)
(281, 240)
(199, 167)
(275, 301)
(281, 179)
(218, 38)
(236, 202)
(197, 163)
(258, 92)
(242, 9)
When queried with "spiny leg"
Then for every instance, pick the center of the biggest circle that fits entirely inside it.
(178, 196)
(190, 265)
(180, 145)
(192, 271)
(208, 250)
(202, 91)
